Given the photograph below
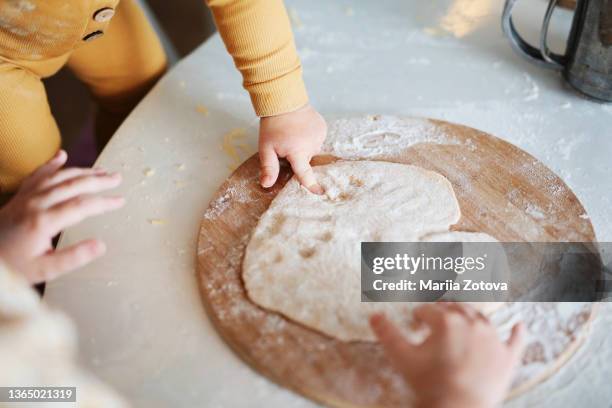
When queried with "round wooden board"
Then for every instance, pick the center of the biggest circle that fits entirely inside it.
(502, 191)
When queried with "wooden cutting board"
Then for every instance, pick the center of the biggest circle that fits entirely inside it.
(502, 191)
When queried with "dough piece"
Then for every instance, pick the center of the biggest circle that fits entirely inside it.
(303, 259)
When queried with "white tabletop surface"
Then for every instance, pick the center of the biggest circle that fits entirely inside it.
(142, 325)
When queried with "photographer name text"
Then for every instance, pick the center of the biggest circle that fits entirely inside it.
(436, 285)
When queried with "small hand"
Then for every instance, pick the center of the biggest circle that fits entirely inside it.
(47, 202)
(462, 363)
(296, 136)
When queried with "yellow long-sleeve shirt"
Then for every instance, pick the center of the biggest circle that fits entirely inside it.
(111, 47)
(41, 35)
(258, 36)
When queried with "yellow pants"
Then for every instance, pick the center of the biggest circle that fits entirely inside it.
(119, 68)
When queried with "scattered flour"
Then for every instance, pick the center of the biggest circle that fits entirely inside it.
(225, 96)
(566, 147)
(24, 5)
(217, 207)
(307, 53)
(380, 135)
(235, 193)
(419, 61)
(532, 92)
(534, 211)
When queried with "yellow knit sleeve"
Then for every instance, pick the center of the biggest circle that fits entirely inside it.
(257, 34)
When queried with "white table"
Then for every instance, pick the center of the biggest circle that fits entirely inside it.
(142, 325)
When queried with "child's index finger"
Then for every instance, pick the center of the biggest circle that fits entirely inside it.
(304, 173)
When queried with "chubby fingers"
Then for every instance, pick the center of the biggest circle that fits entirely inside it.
(465, 310)
(47, 169)
(432, 315)
(66, 174)
(516, 341)
(269, 166)
(59, 262)
(300, 163)
(83, 182)
(75, 210)
(391, 338)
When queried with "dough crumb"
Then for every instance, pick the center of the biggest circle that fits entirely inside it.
(233, 143)
(202, 109)
(149, 172)
(157, 221)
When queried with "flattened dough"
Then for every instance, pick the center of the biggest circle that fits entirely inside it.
(303, 259)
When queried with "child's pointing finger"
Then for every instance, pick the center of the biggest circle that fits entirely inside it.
(303, 171)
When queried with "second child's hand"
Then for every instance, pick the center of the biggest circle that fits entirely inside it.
(296, 136)
(461, 364)
(49, 201)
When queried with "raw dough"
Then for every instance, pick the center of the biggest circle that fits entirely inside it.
(303, 259)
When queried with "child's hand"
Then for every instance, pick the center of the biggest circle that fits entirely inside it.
(47, 202)
(296, 136)
(461, 364)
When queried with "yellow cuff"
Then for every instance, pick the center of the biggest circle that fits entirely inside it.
(280, 95)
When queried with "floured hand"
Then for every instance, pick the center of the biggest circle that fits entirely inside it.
(296, 136)
(462, 363)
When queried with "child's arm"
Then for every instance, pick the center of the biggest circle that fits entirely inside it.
(257, 34)
(462, 363)
(47, 202)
